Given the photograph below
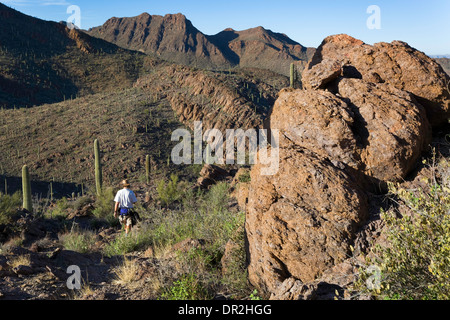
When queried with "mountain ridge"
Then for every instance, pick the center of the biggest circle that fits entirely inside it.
(173, 37)
(45, 62)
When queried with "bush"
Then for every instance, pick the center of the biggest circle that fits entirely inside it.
(169, 193)
(205, 217)
(60, 209)
(8, 206)
(104, 204)
(186, 288)
(245, 177)
(234, 274)
(123, 244)
(416, 262)
(81, 241)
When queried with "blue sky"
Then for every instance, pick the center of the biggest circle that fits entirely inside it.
(425, 25)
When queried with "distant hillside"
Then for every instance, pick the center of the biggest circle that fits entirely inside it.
(445, 63)
(174, 38)
(171, 37)
(46, 62)
(261, 48)
(56, 140)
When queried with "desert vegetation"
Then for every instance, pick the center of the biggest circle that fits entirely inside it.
(187, 239)
(413, 263)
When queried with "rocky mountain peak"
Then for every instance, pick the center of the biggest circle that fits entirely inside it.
(174, 38)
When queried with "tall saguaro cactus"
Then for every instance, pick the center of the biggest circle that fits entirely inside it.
(147, 168)
(292, 75)
(26, 189)
(98, 168)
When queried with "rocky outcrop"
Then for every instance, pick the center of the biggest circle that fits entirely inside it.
(445, 63)
(370, 127)
(349, 131)
(211, 174)
(225, 107)
(391, 128)
(395, 63)
(319, 75)
(300, 221)
(217, 100)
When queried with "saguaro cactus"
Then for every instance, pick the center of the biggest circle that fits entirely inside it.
(147, 168)
(26, 189)
(98, 168)
(292, 75)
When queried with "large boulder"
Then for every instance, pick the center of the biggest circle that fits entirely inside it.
(316, 120)
(374, 128)
(391, 128)
(394, 63)
(302, 220)
(319, 75)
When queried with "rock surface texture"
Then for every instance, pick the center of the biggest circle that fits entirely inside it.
(363, 118)
(396, 64)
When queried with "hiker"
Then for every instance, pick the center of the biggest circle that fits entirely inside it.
(125, 199)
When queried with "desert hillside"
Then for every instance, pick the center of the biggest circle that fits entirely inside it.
(445, 63)
(46, 62)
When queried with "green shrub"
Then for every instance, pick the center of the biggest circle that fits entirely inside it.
(216, 200)
(81, 202)
(204, 216)
(170, 192)
(416, 262)
(81, 241)
(186, 288)
(59, 211)
(235, 275)
(254, 296)
(245, 177)
(123, 244)
(104, 203)
(8, 206)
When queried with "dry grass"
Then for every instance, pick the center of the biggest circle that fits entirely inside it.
(84, 293)
(126, 273)
(10, 244)
(22, 260)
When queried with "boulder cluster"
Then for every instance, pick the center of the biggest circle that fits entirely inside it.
(363, 118)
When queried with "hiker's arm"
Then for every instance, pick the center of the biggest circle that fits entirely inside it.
(116, 209)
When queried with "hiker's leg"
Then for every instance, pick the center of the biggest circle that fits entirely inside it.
(128, 226)
(122, 224)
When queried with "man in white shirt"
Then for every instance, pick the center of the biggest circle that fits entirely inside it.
(125, 199)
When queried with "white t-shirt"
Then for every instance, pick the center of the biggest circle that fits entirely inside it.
(126, 198)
